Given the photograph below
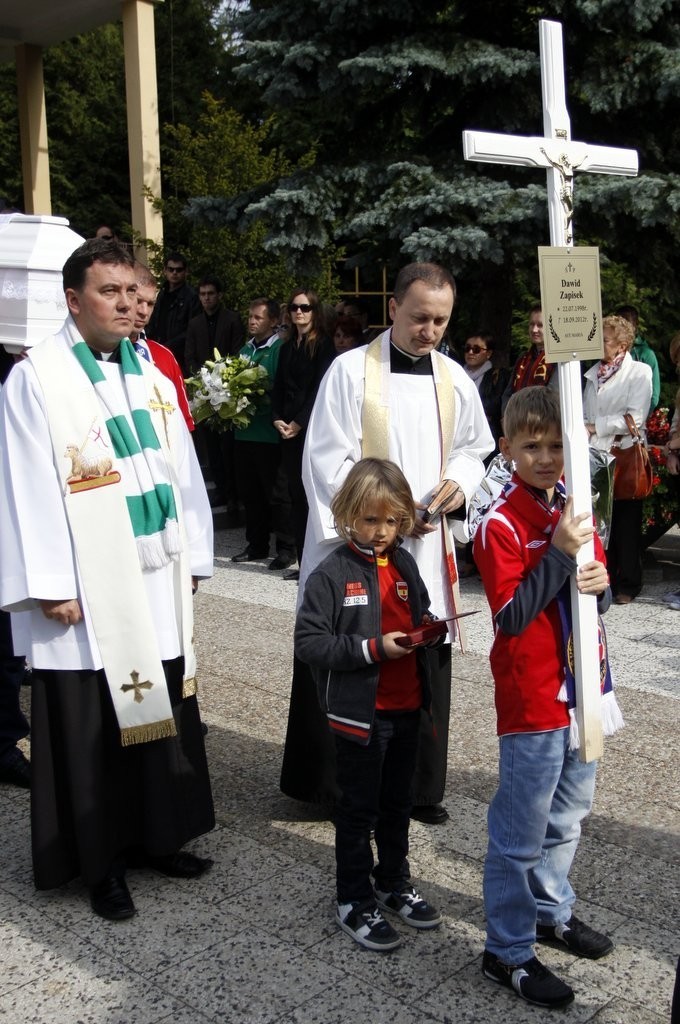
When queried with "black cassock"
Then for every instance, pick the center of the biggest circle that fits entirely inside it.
(94, 801)
(308, 769)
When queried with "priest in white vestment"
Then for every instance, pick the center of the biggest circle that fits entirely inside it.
(105, 527)
(398, 399)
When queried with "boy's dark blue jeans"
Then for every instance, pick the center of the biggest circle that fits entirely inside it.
(375, 786)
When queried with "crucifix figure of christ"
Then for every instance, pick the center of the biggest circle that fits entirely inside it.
(561, 157)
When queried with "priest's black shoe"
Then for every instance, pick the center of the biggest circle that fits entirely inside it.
(111, 899)
(249, 556)
(430, 814)
(15, 770)
(181, 864)
(282, 562)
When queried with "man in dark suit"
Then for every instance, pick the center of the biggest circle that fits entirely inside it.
(215, 328)
(175, 306)
(222, 329)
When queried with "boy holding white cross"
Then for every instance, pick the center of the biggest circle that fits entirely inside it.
(526, 550)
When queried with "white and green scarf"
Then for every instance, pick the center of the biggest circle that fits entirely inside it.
(125, 477)
(140, 459)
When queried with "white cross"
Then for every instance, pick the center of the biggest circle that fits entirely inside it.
(561, 157)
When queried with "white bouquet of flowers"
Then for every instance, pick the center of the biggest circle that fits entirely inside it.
(227, 391)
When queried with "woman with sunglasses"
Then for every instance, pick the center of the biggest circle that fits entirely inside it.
(489, 380)
(302, 363)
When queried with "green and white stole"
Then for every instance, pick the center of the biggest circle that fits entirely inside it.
(375, 431)
(140, 459)
(119, 486)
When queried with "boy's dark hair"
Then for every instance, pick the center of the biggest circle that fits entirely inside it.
(94, 250)
(273, 307)
(176, 257)
(211, 281)
(430, 274)
(531, 410)
(373, 480)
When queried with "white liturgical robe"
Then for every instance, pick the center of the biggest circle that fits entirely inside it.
(37, 559)
(333, 445)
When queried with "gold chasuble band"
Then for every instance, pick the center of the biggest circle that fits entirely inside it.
(375, 432)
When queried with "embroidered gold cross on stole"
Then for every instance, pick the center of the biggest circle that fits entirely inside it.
(165, 408)
(136, 686)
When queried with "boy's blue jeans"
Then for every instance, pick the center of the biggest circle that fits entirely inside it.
(534, 821)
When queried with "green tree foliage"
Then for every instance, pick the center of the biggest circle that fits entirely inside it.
(383, 92)
(225, 156)
(86, 115)
(11, 186)
(85, 99)
(190, 57)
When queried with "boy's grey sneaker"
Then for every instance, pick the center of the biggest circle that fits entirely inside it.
(531, 981)
(410, 906)
(578, 937)
(364, 922)
(673, 600)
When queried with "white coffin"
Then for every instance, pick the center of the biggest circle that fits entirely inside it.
(33, 251)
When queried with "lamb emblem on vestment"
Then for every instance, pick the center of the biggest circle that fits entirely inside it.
(82, 466)
(89, 471)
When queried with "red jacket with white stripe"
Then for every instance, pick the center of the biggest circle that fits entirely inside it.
(519, 565)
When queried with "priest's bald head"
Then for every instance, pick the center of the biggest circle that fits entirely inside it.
(424, 294)
(100, 287)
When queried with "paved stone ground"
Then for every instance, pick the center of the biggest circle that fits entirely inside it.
(253, 942)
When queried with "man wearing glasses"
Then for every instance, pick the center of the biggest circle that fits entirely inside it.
(177, 303)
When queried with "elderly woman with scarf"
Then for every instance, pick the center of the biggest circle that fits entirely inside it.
(615, 386)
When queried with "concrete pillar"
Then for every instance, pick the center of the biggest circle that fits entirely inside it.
(35, 161)
(142, 118)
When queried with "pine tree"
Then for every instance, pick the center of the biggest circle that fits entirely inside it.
(85, 99)
(382, 92)
(225, 155)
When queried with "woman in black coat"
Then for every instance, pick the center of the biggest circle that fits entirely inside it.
(302, 363)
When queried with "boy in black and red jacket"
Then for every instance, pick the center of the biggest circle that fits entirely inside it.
(357, 604)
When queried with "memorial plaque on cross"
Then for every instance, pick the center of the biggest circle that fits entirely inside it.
(561, 157)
